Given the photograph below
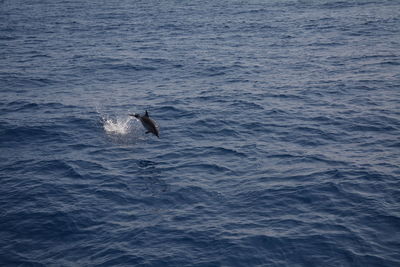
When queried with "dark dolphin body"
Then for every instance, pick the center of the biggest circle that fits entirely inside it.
(148, 123)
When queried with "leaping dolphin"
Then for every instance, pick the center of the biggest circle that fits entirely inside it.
(147, 123)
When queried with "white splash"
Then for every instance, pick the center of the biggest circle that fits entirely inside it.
(120, 126)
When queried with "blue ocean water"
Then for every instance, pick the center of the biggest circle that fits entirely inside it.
(279, 133)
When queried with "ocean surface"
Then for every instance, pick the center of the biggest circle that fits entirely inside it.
(279, 133)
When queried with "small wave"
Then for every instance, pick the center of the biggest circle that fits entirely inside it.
(246, 105)
(169, 110)
(21, 105)
(26, 106)
(204, 167)
(56, 166)
(30, 133)
(126, 67)
(7, 38)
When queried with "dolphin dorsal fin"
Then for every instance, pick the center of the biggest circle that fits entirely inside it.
(146, 114)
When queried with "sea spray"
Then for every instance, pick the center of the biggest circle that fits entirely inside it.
(124, 130)
(117, 126)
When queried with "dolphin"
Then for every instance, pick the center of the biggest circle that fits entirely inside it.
(147, 123)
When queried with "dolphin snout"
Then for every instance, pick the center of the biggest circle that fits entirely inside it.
(134, 115)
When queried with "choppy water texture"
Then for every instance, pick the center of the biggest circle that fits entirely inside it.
(279, 133)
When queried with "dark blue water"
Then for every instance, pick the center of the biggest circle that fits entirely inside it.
(279, 133)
